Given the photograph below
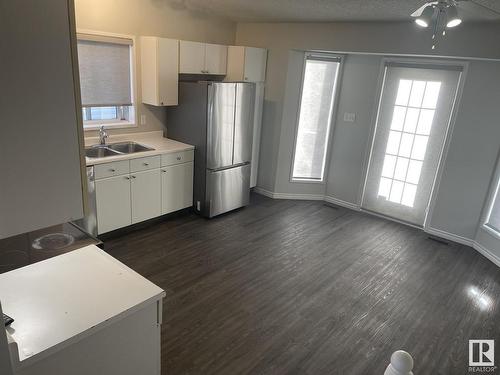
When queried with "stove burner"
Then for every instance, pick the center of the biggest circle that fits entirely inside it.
(53, 241)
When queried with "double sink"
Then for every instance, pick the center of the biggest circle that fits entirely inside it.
(115, 149)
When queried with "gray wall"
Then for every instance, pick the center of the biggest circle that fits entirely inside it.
(351, 141)
(469, 164)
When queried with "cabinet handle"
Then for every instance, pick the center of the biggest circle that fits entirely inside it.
(112, 170)
(178, 158)
(146, 164)
(163, 170)
(132, 176)
(127, 178)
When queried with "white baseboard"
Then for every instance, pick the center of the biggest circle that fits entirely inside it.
(271, 194)
(487, 253)
(450, 236)
(340, 202)
(264, 192)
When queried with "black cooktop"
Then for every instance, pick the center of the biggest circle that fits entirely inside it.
(21, 250)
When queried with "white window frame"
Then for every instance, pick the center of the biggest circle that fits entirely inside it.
(114, 123)
(492, 197)
(333, 114)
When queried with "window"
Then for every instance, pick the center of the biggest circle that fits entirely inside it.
(315, 115)
(407, 142)
(106, 80)
(492, 223)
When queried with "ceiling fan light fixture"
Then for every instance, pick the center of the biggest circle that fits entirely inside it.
(425, 19)
(452, 17)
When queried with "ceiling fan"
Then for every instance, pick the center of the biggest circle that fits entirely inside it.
(443, 14)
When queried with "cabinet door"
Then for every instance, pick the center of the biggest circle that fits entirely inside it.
(168, 71)
(176, 187)
(145, 195)
(255, 64)
(191, 57)
(216, 59)
(113, 203)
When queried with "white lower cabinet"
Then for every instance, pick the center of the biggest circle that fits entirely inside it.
(147, 187)
(176, 187)
(113, 203)
(145, 195)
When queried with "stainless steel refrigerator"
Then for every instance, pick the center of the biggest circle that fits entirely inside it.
(217, 118)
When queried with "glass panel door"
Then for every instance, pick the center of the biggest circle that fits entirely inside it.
(414, 113)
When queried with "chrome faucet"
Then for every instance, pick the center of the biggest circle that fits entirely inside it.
(102, 135)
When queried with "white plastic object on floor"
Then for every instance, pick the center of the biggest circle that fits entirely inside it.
(401, 364)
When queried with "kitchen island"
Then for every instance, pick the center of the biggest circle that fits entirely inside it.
(80, 313)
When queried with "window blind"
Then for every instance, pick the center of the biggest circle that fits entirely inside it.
(104, 72)
(316, 106)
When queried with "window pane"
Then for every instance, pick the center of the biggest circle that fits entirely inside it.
(431, 94)
(425, 121)
(409, 193)
(406, 144)
(385, 187)
(314, 119)
(401, 169)
(414, 169)
(393, 143)
(403, 92)
(419, 147)
(396, 191)
(389, 164)
(411, 120)
(398, 118)
(103, 113)
(417, 93)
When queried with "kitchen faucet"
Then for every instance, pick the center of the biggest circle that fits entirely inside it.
(102, 135)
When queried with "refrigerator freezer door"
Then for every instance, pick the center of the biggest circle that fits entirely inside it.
(228, 189)
(243, 122)
(220, 131)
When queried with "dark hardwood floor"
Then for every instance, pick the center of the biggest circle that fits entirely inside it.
(298, 287)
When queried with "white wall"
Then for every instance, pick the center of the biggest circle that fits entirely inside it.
(150, 18)
(469, 164)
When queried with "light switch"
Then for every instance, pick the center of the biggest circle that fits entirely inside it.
(143, 119)
(349, 117)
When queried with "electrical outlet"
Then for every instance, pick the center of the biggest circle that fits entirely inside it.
(143, 119)
(349, 117)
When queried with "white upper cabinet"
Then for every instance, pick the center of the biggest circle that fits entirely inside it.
(246, 64)
(202, 58)
(216, 59)
(159, 71)
(191, 57)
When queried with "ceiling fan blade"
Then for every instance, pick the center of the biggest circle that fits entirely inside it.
(420, 10)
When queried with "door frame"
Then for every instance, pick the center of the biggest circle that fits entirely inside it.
(415, 62)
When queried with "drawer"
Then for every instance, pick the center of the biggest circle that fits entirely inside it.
(112, 169)
(177, 158)
(143, 164)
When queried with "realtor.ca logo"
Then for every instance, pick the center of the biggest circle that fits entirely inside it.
(482, 356)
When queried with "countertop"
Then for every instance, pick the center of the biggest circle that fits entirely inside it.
(61, 300)
(154, 139)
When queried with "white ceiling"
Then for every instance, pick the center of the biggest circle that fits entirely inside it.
(326, 10)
